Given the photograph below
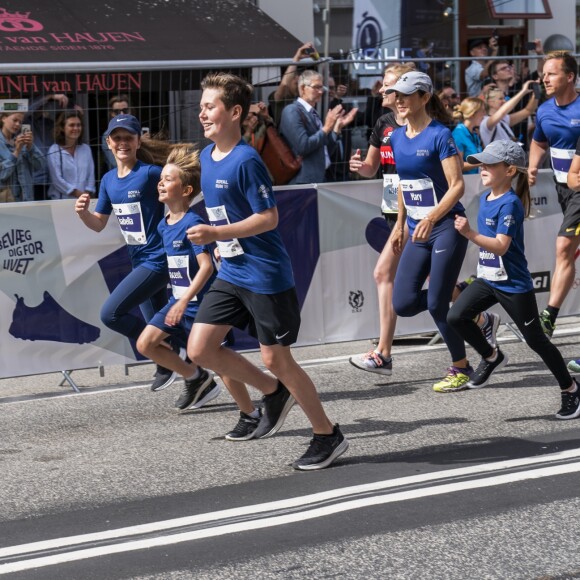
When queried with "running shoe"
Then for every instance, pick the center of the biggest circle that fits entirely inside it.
(193, 390)
(163, 378)
(374, 362)
(245, 428)
(570, 405)
(574, 365)
(211, 392)
(490, 326)
(485, 369)
(275, 407)
(456, 380)
(322, 451)
(548, 325)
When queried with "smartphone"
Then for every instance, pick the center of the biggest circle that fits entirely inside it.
(145, 131)
(25, 129)
(530, 46)
(537, 90)
(494, 34)
(312, 53)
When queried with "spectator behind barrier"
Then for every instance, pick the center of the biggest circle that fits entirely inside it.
(255, 124)
(307, 135)
(469, 113)
(287, 90)
(19, 158)
(497, 123)
(449, 97)
(41, 117)
(118, 105)
(478, 70)
(70, 161)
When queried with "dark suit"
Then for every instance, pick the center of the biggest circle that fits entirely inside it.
(306, 139)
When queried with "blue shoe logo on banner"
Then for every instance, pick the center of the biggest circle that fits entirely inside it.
(50, 321)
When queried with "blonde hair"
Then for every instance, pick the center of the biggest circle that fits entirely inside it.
(399, 69)
(395, 65)
(467, 108)
(186, 158)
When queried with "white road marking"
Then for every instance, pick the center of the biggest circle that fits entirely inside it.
(307, 503)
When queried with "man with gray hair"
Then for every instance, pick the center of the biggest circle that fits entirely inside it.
(308, 136)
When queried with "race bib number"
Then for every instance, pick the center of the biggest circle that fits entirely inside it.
(490, 267)
(561, 161)
(179, 275)
(390, 201)
(131, 221)
(419, 197)
(218, 216)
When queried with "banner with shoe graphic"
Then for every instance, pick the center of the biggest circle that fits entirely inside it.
(55, 273)
(54, 276)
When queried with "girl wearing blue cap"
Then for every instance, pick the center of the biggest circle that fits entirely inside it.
(130, 191)
(502, 273)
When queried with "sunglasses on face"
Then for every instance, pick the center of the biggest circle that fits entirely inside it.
(124, 111)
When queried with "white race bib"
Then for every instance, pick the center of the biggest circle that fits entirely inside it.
(131, 222)
(390, 201)
(419, 197)
(561, 161)
(218, 216)
(179, 275)
(490, 266)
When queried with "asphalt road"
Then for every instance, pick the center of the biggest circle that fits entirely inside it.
(115, 483)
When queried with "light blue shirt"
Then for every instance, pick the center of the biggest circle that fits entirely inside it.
(16, 172)
(69, 172)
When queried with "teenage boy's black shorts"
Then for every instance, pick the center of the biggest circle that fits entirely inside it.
(271, 318)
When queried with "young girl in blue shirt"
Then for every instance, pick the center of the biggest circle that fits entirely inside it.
(502, 275)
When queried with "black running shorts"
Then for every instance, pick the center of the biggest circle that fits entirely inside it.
(271, 318)
(570, 203)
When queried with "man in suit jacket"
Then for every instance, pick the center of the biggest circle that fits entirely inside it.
(307, 134)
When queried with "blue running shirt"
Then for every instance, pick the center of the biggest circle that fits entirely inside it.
(560, 128)
(505, 215)
(234, 189)
(134, 201)
(419, 161)
(182, 258)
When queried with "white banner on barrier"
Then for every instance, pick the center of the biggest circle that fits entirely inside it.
(349, 219)
(52, 287)
(55, 274)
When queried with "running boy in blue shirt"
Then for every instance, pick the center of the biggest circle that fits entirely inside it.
(255, 285)
(191, 271)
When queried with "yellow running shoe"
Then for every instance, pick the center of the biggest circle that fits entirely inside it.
(456, 380)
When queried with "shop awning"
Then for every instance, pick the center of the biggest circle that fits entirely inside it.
(66, 35)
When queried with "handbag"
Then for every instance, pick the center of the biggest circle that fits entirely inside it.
(6, 195)
(278, 157)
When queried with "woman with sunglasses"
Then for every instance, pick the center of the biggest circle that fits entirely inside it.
(118, 105)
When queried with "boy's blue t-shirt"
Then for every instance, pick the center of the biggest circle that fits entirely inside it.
(505, 215)
(134, 200)
(468, 143)
(420, 158)
(182, 258)
(234, 189)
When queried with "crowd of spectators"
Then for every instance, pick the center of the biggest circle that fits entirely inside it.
(320, 117)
